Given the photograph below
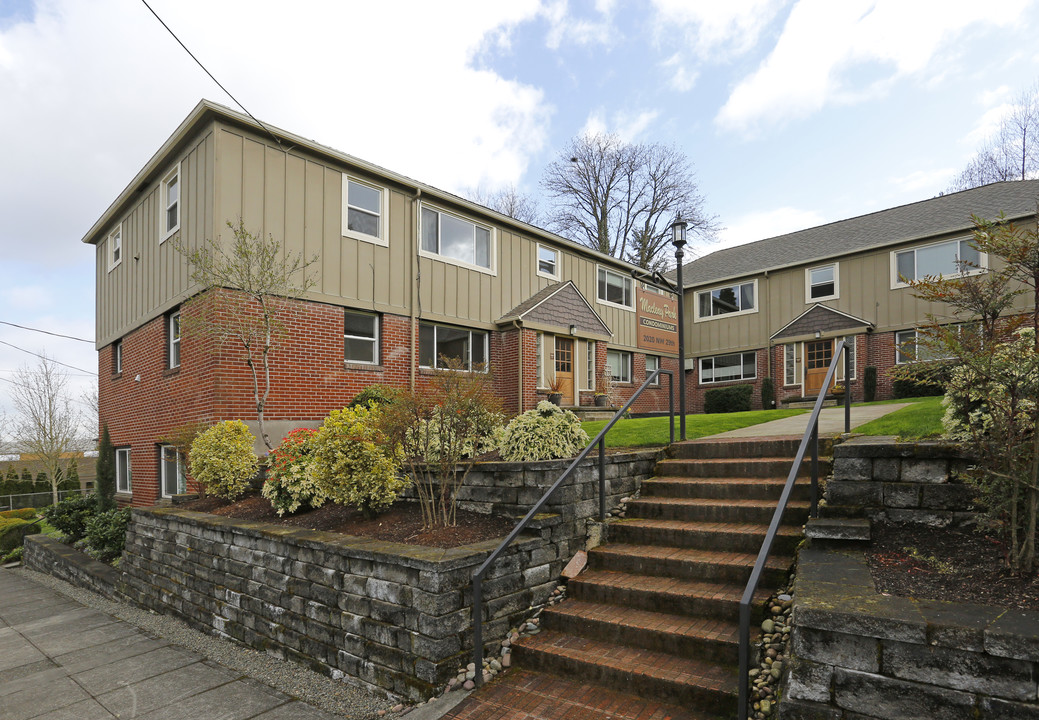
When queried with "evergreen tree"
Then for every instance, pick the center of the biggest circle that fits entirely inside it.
(104, 483)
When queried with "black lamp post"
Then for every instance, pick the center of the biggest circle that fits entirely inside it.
(678, 240)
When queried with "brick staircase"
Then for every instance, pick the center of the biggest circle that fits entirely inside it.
(655, 613)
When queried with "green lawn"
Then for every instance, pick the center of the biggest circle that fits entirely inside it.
(654, 431)
(920, 420)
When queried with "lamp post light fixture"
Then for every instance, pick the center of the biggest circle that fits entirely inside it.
(678, 240)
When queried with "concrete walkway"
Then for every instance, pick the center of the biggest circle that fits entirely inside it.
(831, 422)
(62, 660)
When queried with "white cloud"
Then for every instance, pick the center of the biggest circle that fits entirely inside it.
(987, 125)
(924, 180)
(765, 224)
(628, 126)
(566, 28)
(91, 90)
(843, 53)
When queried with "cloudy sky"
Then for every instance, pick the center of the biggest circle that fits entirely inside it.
(794, 113)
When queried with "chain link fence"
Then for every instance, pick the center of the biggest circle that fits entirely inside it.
(35, 500)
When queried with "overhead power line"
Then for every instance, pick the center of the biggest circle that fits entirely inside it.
(206, 70)
(56, 362)
(45, 332)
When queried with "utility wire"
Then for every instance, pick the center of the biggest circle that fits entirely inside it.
(56, 362)
(45, 332)
(211, 76)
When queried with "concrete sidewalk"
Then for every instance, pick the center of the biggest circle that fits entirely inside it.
(60, 660)
(831, 422)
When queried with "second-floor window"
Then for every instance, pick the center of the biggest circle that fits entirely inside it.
(822, 283)
(363, 212)
(615, 288)
(548, 262)
(361, 338)
(169, 199)
(954, 257)
(173, 336)
(115, 247)
(456, 238)
(727, 300)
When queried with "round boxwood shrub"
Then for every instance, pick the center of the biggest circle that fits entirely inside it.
(106, 534)
(354, 463)
(69, 517)
(545, 433)
(290, 484)
(222, 459)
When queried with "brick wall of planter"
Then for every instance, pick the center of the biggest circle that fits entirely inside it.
(900, 481)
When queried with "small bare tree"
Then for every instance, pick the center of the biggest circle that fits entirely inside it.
(511, 202)
(249, 287)
(47, 422)
(1012, 153)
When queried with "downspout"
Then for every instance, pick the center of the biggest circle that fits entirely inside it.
(768, 329)
(416, 287)
(518, 324)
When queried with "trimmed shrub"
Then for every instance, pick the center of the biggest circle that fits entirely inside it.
(106, 534)
(12, 530)
(545, 433)
(374, 395)
(869, 384)
(768, 394)
(222, 459)
(23, 513)
(354, 463)
(290, 484)
(69, 517)
(735, 398)
(930, 382)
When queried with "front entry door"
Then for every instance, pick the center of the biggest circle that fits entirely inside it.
(818, 354)
(565, 368)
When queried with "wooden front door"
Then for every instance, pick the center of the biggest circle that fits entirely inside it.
(565, 368)
(818, 355)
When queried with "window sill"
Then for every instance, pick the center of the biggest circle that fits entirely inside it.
(726, 383)
(363, 367)
(116, 376)
(170, 372)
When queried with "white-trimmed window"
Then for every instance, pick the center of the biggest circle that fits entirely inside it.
(727, 300)
(850, 345)
(173, 338)
(437, 342)
(615, 288)
(589, 365)
(539, 356)
(822, 283)
(169, 204)
(548, 262)
(117, 357)
(652, 365)
(174, 482)
(122, 470)
(115, 247)
(953, 257)
(618, 365)
(790, 364)
(360, 338)
(364, 211)
(449, 236)
(724, 368)
(908, 348)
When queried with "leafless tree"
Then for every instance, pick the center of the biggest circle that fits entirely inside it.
(620, 198)
(509, 201)
(47, 424)
(1012, 153)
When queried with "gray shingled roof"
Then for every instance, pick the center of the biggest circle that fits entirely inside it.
(927, 218)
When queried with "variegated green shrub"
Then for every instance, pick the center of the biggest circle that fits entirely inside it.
(222, 459)
(290, 485)
(354, 463)
(545, 433)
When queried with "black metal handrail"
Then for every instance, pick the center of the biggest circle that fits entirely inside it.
(599, 440)
(811, 436)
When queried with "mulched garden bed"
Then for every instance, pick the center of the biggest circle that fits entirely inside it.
(400, 523)
(958, 565)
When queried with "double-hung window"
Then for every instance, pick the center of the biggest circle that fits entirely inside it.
(954, 257)
(174, 481)
(548, 262)
(115, 247)
(360, 338)
(439, 345)
(821, 283)
(364, 211)
(614, 288)
(728, 300)
(652, 365)
(618, 365)
(454, 237)
(173, 338)
(169, 200)
(122, 470)
(723, 368)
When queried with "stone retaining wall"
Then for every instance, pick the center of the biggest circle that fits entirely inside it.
(859, 654)
(899, 481)
(47, 555)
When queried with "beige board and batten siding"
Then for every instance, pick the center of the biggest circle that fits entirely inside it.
(137, 290)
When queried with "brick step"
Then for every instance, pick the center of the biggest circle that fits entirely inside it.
(672, 595)
(745, 488)
(522, 694)
(704, 687)
(717, 511)
(763, 467)
(708, 638)
(689, 564)
(737, 448)
(735, 537)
